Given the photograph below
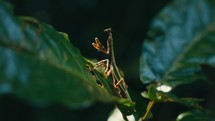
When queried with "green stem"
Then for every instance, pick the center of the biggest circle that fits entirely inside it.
(149, 107)
(115, 68)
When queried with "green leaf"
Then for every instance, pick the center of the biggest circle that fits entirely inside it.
(196, 116)
(159, 96)
(180, 39)
(152, 93)
(125, 106)
(41, 65)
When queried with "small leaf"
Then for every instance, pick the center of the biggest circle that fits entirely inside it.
(158, 96)
(191, 102)
(181, 38)
(125, 106)
(40, 64)
(152, 93)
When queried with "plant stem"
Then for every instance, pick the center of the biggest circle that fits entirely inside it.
(115, 68)
(149, 107)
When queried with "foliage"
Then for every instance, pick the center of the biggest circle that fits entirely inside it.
(180, 41)
(41, 65)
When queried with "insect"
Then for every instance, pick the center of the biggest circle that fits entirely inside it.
(107, 75)
(109, 65)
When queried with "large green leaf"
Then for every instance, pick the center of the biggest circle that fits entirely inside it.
(181, 38)
(38, 63)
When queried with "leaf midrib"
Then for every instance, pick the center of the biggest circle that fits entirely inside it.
(196, 39)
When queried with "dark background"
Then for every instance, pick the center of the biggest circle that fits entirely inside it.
(83, 20)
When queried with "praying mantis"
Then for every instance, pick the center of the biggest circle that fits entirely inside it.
(108, 76)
